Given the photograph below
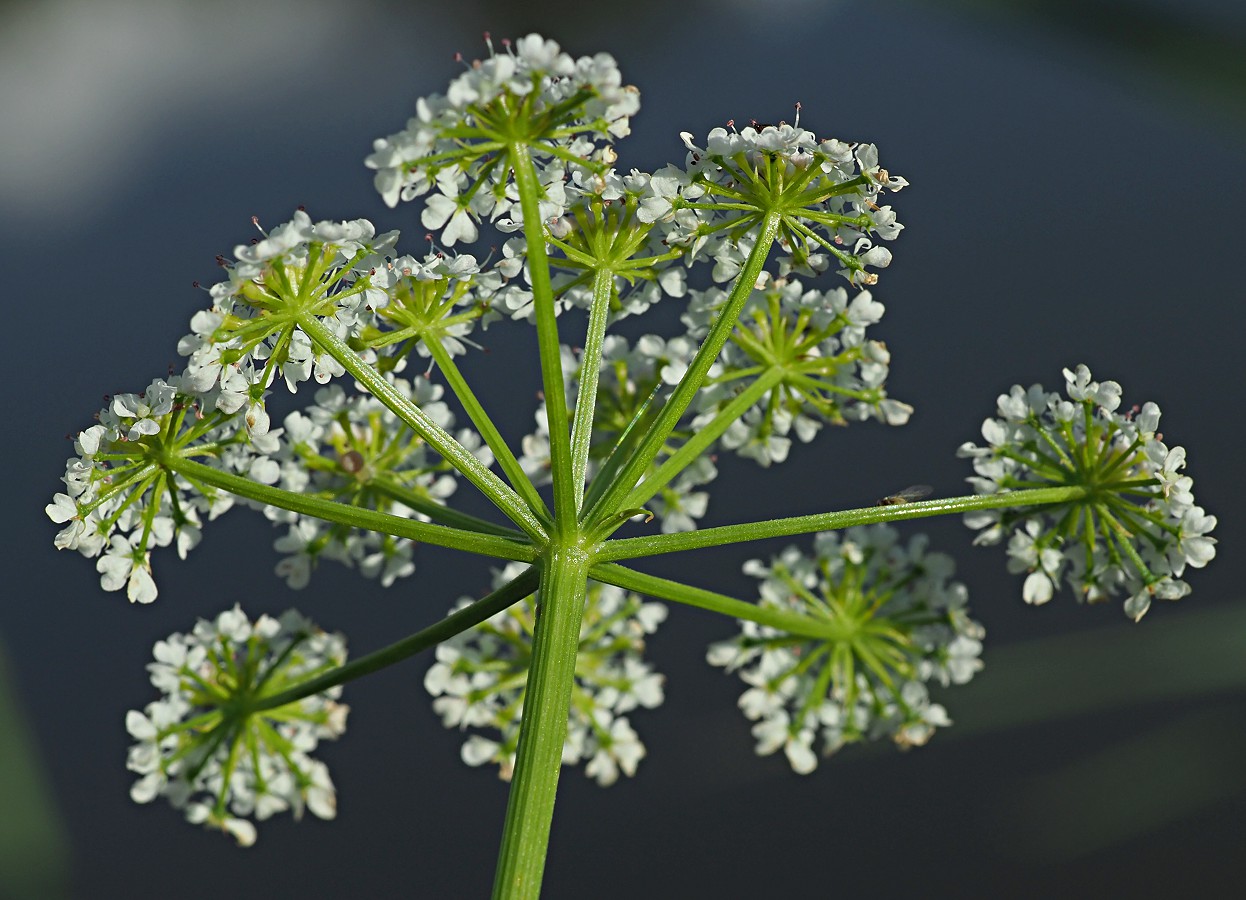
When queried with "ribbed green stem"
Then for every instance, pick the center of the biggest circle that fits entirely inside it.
(677, 592)
(590, 374)
(518, 588)
(651, 545)
(681, 398)
(499, 492)
(356, 516)
(702, 438)
(444, 514)
(488, 431)
(547, 701)
(547, 336)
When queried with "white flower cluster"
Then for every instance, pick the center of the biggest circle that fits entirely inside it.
(121, 499)
(437, 300)
(602, 223)
(119, 503)
(816, 339)
(828, 191)
(203, 748)
(559, 107)
(353, 449)
(1138, 526)
(893, 622)
(245, 340)
(479, 680)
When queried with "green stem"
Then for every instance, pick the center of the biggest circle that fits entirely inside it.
(665, 589)
(547, 701)
(493, 487)
(702, 438)
(437, 512)
(631, 433)
(681, 398)
(650, 545)
(356, 516)
(590, 374)
(547, 336)
(492, 438)
(465, 618)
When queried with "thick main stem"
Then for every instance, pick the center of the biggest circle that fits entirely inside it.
(530, 810)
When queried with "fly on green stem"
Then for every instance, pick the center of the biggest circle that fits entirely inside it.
(908, 495)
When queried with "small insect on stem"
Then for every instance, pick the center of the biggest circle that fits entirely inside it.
(908, 495)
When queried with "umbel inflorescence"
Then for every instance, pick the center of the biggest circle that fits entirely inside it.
(215, 745)
(849, 640)
(1136, 527)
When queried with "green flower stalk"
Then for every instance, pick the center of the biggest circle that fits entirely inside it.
(844, 642)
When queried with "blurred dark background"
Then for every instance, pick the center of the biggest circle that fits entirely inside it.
(1077, 193)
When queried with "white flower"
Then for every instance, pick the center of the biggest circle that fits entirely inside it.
(811, 344)
(757, 171)
(619, 750)
(440, 209)
(565, 106)
(239, 347)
